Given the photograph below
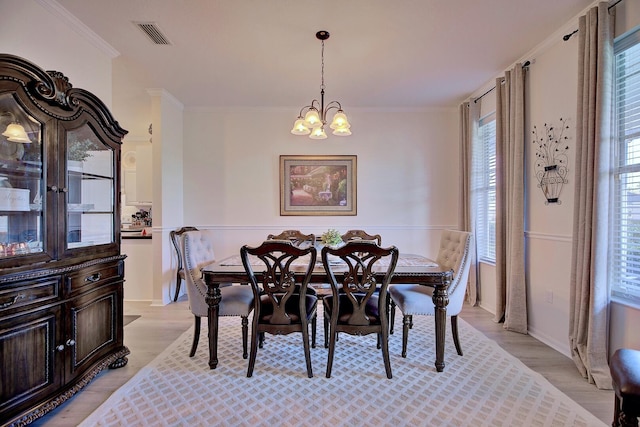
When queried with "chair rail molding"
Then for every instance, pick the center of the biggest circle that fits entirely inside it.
(546, 236)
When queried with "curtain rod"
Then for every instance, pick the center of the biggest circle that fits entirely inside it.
(568, 36)
(526, 64)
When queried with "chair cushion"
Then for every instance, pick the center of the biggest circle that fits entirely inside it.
(413, 299)
(236, 300)
(625, 374)
(345, 308)
(266, 307)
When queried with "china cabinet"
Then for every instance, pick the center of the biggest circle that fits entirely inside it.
(61, 270)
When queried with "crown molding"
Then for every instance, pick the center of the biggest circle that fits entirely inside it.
(75, 24)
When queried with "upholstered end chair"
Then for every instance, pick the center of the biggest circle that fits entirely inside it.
(417, 299)
(176, 240)
(237, 300)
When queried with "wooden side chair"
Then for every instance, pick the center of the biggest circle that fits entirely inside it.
(418, 299)
(237, 300)
(175, 236)
(354, 306)
(625, 375)
(296, 237)
(349, 236)
(361, 235)
(280, 306)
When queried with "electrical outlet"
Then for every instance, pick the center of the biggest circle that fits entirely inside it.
(549, 297)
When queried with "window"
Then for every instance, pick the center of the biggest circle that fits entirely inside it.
(625, 238)
(484, 179)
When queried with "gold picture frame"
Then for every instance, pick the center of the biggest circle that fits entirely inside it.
(318, 185)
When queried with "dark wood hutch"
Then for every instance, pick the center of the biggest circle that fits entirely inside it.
(61, 270)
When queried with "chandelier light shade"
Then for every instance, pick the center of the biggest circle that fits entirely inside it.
(313, 118)
(15, 131)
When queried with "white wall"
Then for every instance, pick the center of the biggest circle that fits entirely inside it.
(551, 95)
(38, 33)
(168, 205)
(407, 175)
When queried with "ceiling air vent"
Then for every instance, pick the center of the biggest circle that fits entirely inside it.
(153, 32)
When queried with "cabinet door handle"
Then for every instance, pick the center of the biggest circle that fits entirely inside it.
(70, 342)
(60, 348)
(52, 188)
(93, 278)
(12, 301)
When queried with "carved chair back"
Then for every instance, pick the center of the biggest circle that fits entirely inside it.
(176, 236)
(355, 305)
(361, 235)
(281, 302)
(296, 237)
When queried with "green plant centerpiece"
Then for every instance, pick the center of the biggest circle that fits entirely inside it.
(331, 237)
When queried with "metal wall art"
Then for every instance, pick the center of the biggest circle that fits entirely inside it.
(551, 159)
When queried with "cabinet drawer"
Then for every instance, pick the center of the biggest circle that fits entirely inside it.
(93, 276)
(27, 293)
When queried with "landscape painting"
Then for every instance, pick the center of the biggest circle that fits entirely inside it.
(318, 185)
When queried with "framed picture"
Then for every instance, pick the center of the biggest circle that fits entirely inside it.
(318, 185)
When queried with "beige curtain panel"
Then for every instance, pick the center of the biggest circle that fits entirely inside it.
(511, 292)
(468, 122)
(589, 297)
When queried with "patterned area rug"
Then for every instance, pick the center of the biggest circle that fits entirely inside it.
(485, 387)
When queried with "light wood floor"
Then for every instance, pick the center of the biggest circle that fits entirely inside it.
(157, 327)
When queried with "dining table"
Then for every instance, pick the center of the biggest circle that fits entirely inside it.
(410, 269)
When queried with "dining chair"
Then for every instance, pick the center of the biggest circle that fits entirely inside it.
(624, 366)
(353, 235)
(414, 299)
(175, 236)
(280, 306)
(237, 300)
(361, 235)
(297, 238)
(354, 306)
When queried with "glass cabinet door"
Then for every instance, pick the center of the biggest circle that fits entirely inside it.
(21, 181)
(90, 194)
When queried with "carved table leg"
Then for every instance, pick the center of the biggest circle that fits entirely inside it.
(213, 300)
(440, 300)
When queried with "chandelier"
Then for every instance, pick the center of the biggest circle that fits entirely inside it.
(315, 115)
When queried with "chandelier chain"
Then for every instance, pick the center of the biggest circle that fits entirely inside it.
(322, 69)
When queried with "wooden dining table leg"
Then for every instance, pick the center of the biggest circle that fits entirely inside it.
(440, 300)
(213, 300)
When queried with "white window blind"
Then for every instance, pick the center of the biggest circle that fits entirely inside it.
(625, 238)
(484, 178)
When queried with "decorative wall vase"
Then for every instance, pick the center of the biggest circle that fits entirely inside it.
(551, 162)
(551, 181)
